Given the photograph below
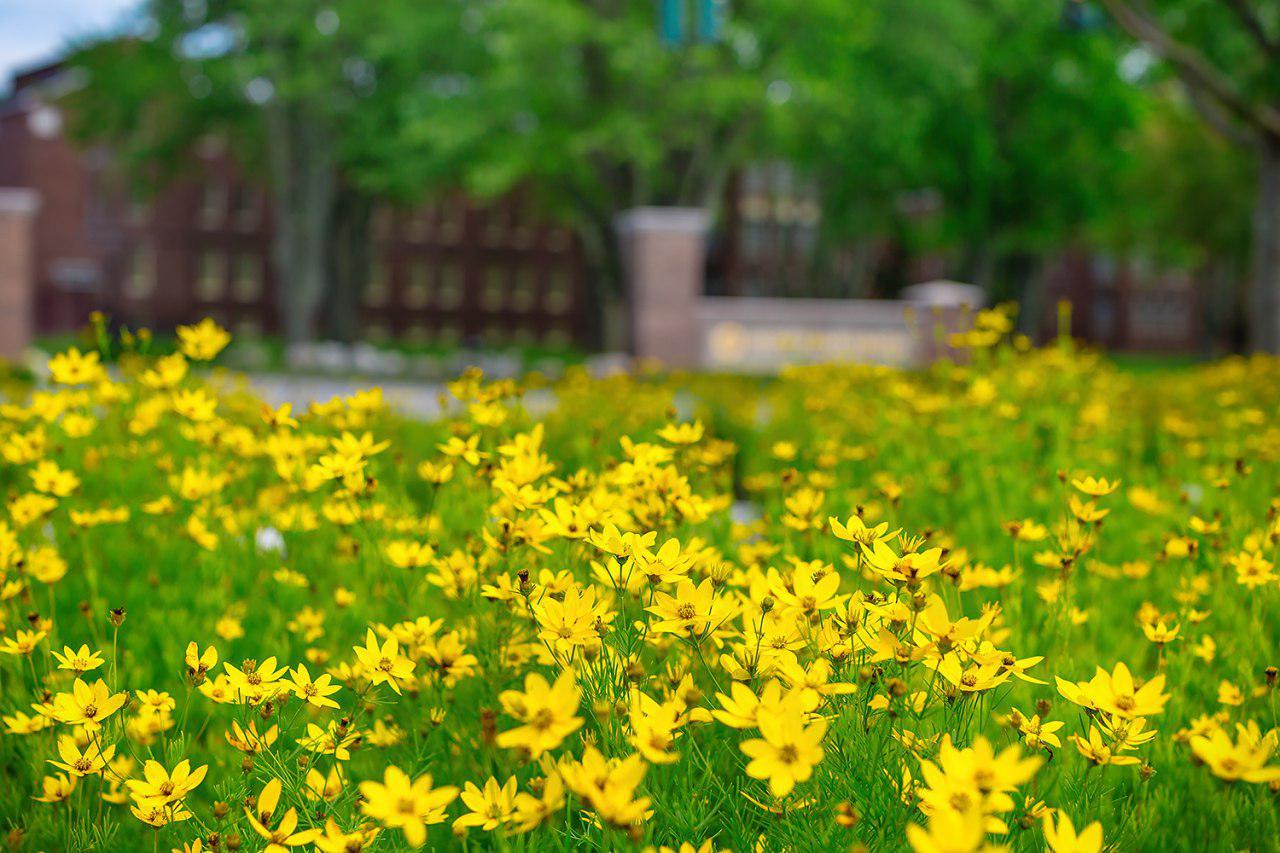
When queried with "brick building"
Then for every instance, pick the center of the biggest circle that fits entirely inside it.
(453, 270)
(446, 271)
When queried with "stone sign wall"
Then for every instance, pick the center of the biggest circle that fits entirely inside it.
(675, 324)
(761, 335)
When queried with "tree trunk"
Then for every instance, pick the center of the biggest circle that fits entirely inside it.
(350, 262)
(604, 299)
(1264, 292)
(300, 151)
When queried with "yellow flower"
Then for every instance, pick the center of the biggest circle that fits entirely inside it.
(165, 372)
(406, 554)
(491, 808)
(160, 787)
(88, 762)
(910, 568)
(56, 789)
(199, 663)
(434, 472)
(1252, 569)
(248, 740)
(532, 811)
(1098, 752)
(337, 840)
(155, 815)
(284, 834)
(281, 418)
(609, 787)
(1230, 694)
(315, 692)
(857, 531)
(21, 724)
(1160, 633)
(1117, 693)
(1036, 733)
(687, 613)
(47, 477)
(383, 663)
(334, 740)
(253, 681)
(548, 713)
(80, 661)
(1244, 760)
(975, 775)
(573, 621)
(410, 805)
(744, 710)
(195, 405)
(786, 752)
(1095, 487)
(1064, 839)
(808, 594)
(1086, 511)
(318, 786)
(682, 433)
(24, 643)
(466, 450)
(87, 705)
(202, 341)
(973, 678)
(951, 831)
(75, 368)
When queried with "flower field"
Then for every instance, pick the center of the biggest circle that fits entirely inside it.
(1026, 602)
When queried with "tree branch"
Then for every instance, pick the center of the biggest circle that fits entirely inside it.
(1217, 118)
(1253, 25)
(1194, 69)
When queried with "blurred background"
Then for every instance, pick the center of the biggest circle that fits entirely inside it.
(713, 182)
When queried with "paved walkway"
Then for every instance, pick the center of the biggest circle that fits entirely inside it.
(412, 399)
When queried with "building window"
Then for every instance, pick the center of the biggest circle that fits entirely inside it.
(418, 293)
(497, 227)
(451, 220)
(213, 205)
(451, 286)
(246, 207)
(420, 223)
(525, 293)
(248, 282)
(378, 290)
(495, 288)
(211, 277)
(141, 282)
(559, 293)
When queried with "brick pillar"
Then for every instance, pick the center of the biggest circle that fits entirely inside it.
(664, 257)
(17, 269)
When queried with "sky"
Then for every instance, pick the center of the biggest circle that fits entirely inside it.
(32, 31)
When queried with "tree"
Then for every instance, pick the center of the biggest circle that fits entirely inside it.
(310, 97)
(1187, 206)
(1010, 117)
(583, 101)
(1227, 55)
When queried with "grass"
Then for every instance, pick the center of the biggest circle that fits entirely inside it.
(501, 552)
